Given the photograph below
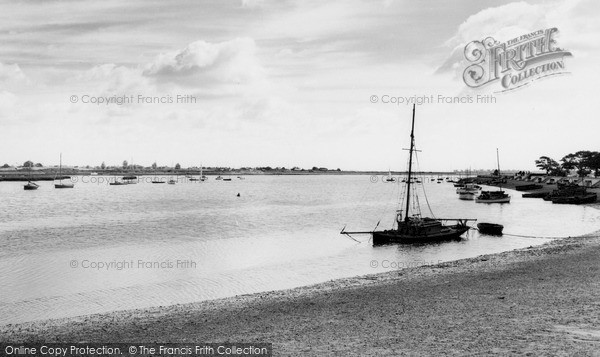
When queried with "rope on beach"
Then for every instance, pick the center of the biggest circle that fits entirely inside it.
(526, 236)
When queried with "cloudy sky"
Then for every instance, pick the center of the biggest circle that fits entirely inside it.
(285, 83)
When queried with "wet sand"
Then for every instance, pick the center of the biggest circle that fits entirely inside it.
(542, 300)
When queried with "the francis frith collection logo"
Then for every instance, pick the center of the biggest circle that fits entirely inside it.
(514, 63)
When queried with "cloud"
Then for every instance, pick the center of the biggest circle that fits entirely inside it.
(571, 17)
(12, 76)
(203, 64)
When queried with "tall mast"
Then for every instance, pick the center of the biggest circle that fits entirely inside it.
(412, 144)
(499, 176)
(60, 168)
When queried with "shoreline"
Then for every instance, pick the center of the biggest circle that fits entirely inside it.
(541, 299)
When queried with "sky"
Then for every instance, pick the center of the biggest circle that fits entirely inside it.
(286, 83)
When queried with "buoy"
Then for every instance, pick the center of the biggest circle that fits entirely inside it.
(238, 195)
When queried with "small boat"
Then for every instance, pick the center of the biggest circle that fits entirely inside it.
(389, 177)
(130, 180)
(156, 180)
(588, 197)
(227, 179)
(241, 177)
(571, 194)
(219, 178)
(60, 184)
(410, 227)
(470, 187)
(31, 186)
(529, 187)
(535, 195)
(467, 196)
(491, 229)
(172, 182)
(117, 183)
(494, 196)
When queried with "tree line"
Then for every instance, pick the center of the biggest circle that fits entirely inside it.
(582, 162)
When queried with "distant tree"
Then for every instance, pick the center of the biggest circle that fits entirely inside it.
(125, 164)
(495, 173)
(103, 165)
(177, 166)
(547, 164)
(581, 161)
(594, 162)
(314, 168)
(39, 165)
(338, 169)
(28, 163)
(154, 166)
(5, 166)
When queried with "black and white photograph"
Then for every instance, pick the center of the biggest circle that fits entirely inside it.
(299, 178)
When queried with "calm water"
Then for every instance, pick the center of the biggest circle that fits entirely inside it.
(168, 244)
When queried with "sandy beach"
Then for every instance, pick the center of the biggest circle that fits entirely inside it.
(542, 300)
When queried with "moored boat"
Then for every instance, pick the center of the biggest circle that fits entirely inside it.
(470, 187)
(467, 196)
(493, 197)
(493, 229)
(31, 186)
(60, 183)
(410, 226)
(588, 197)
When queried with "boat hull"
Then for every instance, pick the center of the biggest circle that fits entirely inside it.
(491, 229)
(394, 237)
(576, 200)
(64, 185)
(493, 200)
(466, 196)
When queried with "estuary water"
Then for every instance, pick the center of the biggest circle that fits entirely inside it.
(99, 248)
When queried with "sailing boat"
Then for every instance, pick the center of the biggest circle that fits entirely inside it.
(60, 184)
(390, 178)
(494, 196)
(30, 185)
(414, 228)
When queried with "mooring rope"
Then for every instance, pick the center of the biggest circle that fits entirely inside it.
(525, 236)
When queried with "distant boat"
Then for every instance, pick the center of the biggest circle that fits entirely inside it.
(470, 187)
(117, 183)
(413, 228)
(172, 182)
(31, 186)
(129, 180)
(494, 196)
(227, 179)
(60, 184)
(467, 196)
(219, 178)
(390, 178)
(571, 195)
(241, 177)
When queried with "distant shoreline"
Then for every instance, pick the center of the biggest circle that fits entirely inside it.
(50, 174)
